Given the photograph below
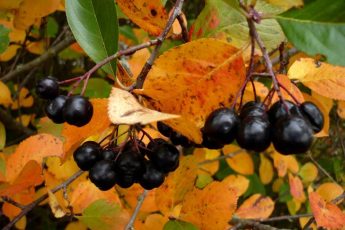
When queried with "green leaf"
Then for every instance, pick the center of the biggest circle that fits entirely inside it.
(318, 28)
(102, 215)
(4, 38)
(95, 27)
(203, 180)
(255, 186)
(223, 18)
(2, 136)
(284, 193)
(179, 225)
(96, 88)
(52, 27)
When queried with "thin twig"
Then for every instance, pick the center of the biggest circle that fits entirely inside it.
(13, 202)
(140, 202)
(30, 206)
(320, 167)
(287, 217)
(245, 223)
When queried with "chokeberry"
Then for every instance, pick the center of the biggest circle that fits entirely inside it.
(254, 109)
(136, 145)
(178, 139)
(54, 109)
(47, 88)
(130, 163)
(103, 175)
(164, 129)
(108, 154)
(313, 114)
(292, 135)
(279, 110)
(87, 155)
(165, 157)
(254, 133)
(152, 178)
(78, 111)
(125, 181)
(210, 143)
(221, 125)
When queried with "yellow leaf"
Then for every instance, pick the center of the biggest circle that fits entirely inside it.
(325, 79)
(123, 108)
(25, 119)
(138, 60)
(9, 53)
(149, 15)
(61, 170)
(327, 215)
(293, 206)
(292, 88)
(277, 184)
(192, 80)
(199, 206)
(5, 95)
(308, 172)
(201, 155)
(286, 4)
(341, 109)
(296, 188)
(177, 185)
(155, 222)
(256, 207)
(265, 170)
(283, 163)
(21, 224)
(37, 48)
(241, 161)
(237, 182)
(25, 99)
(9, 5)
(329, 191)
(55, 206)
(304, 220)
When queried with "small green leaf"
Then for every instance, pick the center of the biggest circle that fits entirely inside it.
(318, 28)
(255, 186)
(284, 193)
(52, 27)
(4, 38)
(95, 27)
(203, 180)
(2, 136)
(179, 225)
(96, 88)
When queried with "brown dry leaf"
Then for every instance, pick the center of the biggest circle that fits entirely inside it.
(296, 188)
(149, 15)
(327, 215)
(308, 172)
(265, 170)
(256, 207)
(35, 148)
(177, 185)
(75, 135)
(241, 161)
(123, 76)
(325, 79)
(123, 108)
(292, 88)
(57, 210)
(237, 182)
(329, 191)
(27, 15)
(199, 206)
(284, 163)
(192, 80)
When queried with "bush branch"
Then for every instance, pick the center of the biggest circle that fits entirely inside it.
(140, 202)
(246, 223)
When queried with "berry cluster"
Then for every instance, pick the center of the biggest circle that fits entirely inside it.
(75, 110)
(176, 138)
(128, 164)
(289, 127)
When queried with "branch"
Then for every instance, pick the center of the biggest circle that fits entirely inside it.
(244, 224)
(13, 202)
(50, 53)
(287, 217)
(141, 199)
(148, 65)
(320, 167)
(30, 206)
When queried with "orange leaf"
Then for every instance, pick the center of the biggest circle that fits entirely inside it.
(123, 76)
(203, 154)
(292, 88)
(149, 15)
(326, 215)
(283, 163)
(24, 197)
(256, 207)
(177, 185)
(210, 208)
(329, 191)
(241, 161)
(74, 135)
(237, 182)
(192, 80)
(34, 148)
(138, 60)
(265, 170)
(296, 188)
(341, 109)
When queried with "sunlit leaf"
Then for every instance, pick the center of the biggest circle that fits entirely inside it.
(265, 170)
(256, 206)
(329, 191)
(291, 87)
(241, 161)
(237, 182)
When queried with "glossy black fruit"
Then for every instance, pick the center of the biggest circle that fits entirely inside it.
(136, 145)
(152, 178)
(165, 157)
(313, 114)
(130, 163)
(54, 109)
(103, 175)
(164, 129)
(87, 155)
(125, 181)
(254, 133)
(292, 135)
(47, 88)
(108, 154)
(210, 143)
(178, 139)
(78, 111)
(221, 125)
(253, 109)
(278, 110)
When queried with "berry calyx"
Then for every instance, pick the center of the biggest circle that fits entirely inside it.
(292, 135)
(54, 109)
(47, 88)
(221, 125)
(78, 111)
(87, 155)
(313, 114)
(103, 175)
(165, 157)
(152, 178)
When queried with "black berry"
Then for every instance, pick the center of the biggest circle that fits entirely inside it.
(103, 175)
(130, 163)
(78, 111)
(279, 110)
(152, 178)
(253, 109)
(210, 143)
(54, 109)
(313, 114)
(292, 135)
(47, 88)
(87, 155)
(125, 181)
(164, 129)
(178, 139)
(108, 154)
(165, 157)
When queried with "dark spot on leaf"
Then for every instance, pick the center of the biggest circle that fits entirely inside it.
(153, 12)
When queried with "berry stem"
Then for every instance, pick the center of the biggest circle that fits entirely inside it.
(290, 94)
(140, 202)
(70, 80)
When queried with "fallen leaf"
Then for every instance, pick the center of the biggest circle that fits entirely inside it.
(124, 108)
(296, 188)
(256, 207)
(241, 161)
